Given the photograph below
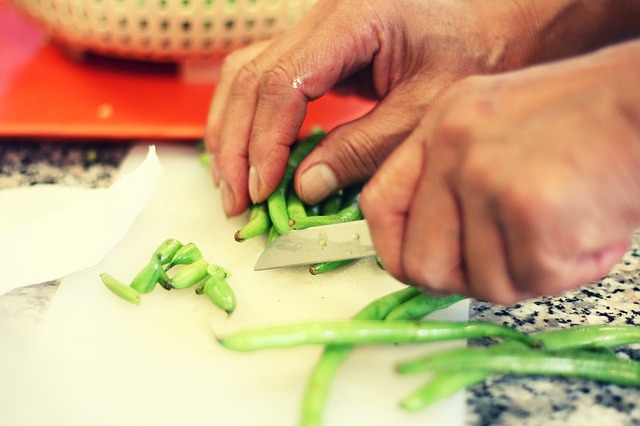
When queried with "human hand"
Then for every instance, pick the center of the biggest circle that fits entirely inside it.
(517, 185)
(402, 52)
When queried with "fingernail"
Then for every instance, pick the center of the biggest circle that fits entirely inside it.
(254, 183)
(317, 183)
(228, 200)
(214, 169)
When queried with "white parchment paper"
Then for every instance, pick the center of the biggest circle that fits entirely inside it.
(48, 231)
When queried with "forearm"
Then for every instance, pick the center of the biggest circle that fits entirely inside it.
(535, 31)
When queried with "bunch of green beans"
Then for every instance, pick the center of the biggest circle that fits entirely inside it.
(385, 319)
(283, 211)
(584, 351)
(194, 270)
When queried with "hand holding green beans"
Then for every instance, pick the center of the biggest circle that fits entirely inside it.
(283, 211)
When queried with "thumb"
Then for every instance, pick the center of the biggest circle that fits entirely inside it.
(353, 152)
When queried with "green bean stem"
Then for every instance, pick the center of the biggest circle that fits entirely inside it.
(319, 382)
(259, 223)
(586, 365)
(365, 332)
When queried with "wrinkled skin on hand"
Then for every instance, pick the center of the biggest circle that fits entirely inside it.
(516, 185)
(402, 52)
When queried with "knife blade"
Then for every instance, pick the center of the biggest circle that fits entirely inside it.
(342, 241)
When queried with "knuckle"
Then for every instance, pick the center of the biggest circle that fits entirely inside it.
(277, 78)
(526, 207)
(359, 156)
(462, 108)
(246, 79)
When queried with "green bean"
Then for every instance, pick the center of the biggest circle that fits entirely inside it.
(167, 250)
(586, 365)
(295, 206)
(187, 254)
(380, 308)
(319, 382)
(277, 206)
(441, 385)
(603, 337)
(145, 280)
(313, 210)
(349, 212)
(365, 332)
(379, 262)
(324, 267)
(332, 204)
(277, 201)
(205, 160)
(301, 150)
(120, 289)
(589, 336)
(422, 305)
(213, 269)
(329, 206)
(273, 234)
(163, 278)
(259, 223)
(190, 275)
(220, 293)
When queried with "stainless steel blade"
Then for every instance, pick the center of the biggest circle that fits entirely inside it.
(349, 240)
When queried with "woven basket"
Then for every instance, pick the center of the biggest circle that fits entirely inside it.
(164, 30)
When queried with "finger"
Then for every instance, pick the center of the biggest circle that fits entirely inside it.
(231, 65)
(431, 254)
(484, 252)
(309, 70)
(353, 152)
(596, 264)
(234, 112)
(385, 201)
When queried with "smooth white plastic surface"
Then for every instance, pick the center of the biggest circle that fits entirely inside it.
(98, 360)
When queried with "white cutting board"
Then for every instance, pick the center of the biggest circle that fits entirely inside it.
(98, 360)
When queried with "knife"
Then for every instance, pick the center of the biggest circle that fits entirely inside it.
(342, 241)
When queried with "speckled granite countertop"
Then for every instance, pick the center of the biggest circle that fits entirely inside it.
(499, 401)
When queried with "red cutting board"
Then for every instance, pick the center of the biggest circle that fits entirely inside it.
(44, 93)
